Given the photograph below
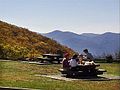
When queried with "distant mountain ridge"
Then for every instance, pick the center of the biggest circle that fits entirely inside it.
(89, 34)
(98, 44)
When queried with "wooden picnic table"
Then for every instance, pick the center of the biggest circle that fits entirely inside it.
(84, 70)
(87, 67)
(51, 57)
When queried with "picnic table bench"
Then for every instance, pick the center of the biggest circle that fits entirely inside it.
(50, 58)
(83, 70)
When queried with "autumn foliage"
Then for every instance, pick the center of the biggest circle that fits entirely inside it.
(17, 42)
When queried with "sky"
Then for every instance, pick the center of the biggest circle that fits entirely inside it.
(79, 16)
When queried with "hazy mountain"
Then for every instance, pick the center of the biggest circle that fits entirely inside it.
(89, 34)
(98, 44)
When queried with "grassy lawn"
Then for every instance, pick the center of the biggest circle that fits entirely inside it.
(19, 74)
(112, 68)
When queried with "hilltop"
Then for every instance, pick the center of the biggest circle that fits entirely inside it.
(17, 42)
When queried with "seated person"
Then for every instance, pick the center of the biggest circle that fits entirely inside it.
(74, 62)
(81, 61)
(65, 62)
(88, 58)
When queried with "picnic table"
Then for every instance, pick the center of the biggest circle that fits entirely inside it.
(84, 70)
(51, 57)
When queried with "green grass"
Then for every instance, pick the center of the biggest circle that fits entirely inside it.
(18, 74)
(112, 68)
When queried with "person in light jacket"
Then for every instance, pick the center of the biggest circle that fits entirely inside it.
(74, 62)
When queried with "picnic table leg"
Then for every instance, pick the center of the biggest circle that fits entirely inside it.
(50, 61)
(42, 61)
(58, 61)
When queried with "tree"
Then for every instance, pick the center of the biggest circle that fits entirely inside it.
(109, 58)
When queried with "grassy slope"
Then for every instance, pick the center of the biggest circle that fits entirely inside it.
(17, 74)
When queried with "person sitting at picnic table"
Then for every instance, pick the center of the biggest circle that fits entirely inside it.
(74, 62)
(65, 62)
(88, 57)
(81, 61)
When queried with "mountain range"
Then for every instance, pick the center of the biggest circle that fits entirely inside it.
(98, 44)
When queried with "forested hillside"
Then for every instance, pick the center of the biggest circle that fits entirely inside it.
(17, 42)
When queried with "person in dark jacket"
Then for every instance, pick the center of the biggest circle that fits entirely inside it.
(65, 62)
(88, 56)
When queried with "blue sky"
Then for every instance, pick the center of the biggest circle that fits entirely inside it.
(79, 16)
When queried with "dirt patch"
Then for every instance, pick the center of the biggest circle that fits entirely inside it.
(14, 88)
(98, 78)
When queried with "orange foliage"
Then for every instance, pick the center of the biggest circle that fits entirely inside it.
(20, 42)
